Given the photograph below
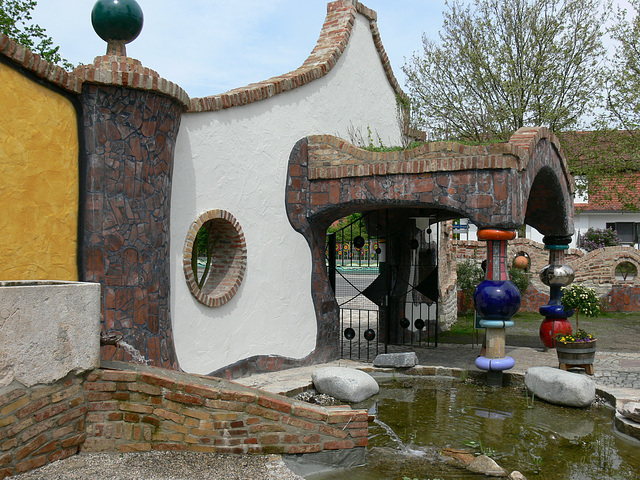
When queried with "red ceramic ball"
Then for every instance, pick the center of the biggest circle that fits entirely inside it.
(551, 327)
(521, 262)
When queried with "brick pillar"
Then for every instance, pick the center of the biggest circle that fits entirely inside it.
(496, 300)
(129, 139)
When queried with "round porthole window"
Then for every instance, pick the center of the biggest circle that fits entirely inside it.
(215, 257)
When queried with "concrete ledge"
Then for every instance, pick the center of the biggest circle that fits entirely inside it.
(627, 427)
(49, 329)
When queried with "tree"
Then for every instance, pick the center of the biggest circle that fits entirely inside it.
(14, 15)
(607, 157)
(505, 64)
(623, 78)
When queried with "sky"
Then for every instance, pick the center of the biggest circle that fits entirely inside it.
(211, 46)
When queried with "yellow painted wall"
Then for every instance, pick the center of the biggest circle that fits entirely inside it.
(38, 181)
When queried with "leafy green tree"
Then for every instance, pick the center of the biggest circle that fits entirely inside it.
(504, 64)
(623, 77)
(348, 228)
(469, 274)
(15, 22)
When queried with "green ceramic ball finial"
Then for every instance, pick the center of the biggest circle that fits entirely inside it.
(117, 22)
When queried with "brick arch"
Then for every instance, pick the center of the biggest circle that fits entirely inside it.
(546, 185)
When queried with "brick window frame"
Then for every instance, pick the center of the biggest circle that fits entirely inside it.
(229, 259)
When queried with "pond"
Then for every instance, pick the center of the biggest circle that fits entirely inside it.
(419, 416)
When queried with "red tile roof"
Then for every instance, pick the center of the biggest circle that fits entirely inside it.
(614, 183)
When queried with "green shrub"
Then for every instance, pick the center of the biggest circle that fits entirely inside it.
(470, 274)
(520, 278)
(596, 238)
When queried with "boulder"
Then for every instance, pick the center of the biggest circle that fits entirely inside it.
(396, 360)
(346, 384)
(560, 387)
(631, 410)
(487, 466)
(516, 475)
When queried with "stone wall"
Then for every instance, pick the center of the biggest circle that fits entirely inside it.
(129, 143)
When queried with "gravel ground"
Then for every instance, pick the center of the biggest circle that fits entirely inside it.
(163, 466)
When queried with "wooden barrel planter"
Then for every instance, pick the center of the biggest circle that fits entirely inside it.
(576, 354)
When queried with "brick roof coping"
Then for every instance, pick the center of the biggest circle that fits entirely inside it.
(35, 64)
(129, 72)
(106, 70)
(333, 40)
(430, 157)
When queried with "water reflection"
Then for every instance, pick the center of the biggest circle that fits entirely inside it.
(542, 441)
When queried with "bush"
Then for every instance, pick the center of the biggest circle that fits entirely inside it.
(520, 278)
(582, 300)
(470, 274)
(596, 238)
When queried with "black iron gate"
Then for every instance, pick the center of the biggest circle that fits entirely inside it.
(383, 269)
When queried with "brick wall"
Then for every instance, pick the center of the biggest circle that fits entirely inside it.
(126, 411)
(130, 411)
(40, 425)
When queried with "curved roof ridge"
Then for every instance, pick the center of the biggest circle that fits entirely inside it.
(525, 140)
(333, 40)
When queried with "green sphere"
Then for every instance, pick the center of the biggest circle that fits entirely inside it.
(117, 19)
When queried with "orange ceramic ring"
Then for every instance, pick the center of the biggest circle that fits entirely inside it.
(495, 234)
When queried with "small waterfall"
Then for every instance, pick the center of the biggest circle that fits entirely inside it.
(136, 356)
(402, 447)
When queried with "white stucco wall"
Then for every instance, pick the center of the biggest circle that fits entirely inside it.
(584, 221)
(236, 159)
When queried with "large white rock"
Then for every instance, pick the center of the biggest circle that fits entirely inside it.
(47, 330)
(346, 384)
(396, 360)
(560, 387)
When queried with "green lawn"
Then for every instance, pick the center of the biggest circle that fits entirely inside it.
(616, 331)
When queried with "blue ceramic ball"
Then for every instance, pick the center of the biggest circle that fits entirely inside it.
(496, 299)
(117, 19)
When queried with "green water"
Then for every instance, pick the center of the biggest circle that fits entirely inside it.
(421, 416)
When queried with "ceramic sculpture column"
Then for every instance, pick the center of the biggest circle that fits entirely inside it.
(130, 121)
(555, 275)
(496, 300)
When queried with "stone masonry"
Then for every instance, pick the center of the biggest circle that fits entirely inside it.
(129, 141)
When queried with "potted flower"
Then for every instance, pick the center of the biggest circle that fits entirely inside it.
(578, 349)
